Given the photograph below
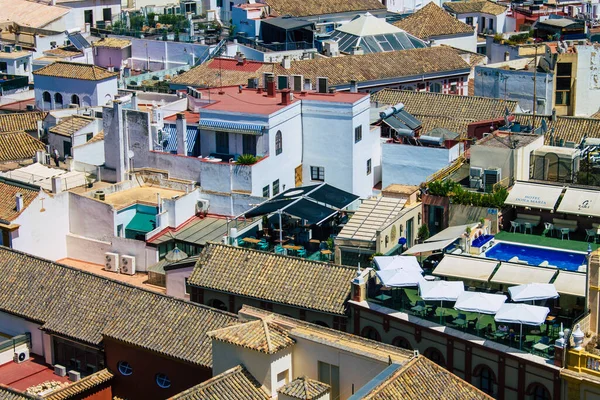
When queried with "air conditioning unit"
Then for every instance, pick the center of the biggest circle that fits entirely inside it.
(475, 183)
(74, 376)
(60, 370)
(490, 178)
(21, 356)
(476, 172)
(202, 206)
(111, 262)
(91, 368)
(127, 265)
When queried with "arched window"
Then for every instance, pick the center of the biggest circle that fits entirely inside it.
(435, 88)
(58, 99)
(218, 304)
(163, 381)
(125, 368)
(537, 391)
(436, 356)
(399, 341)
(75, 99)
(46, 97)
(370, 333)
(321, 323)
(278, 143)
(486, 378)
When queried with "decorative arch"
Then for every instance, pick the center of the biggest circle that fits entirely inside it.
(218, 304)
(47, 97)
(87, 101)
(436, 356)
(486, 380)
(402, 342)
(58, 99)
(370, 333)
(278, 143)
(75, 100)
(537, 391)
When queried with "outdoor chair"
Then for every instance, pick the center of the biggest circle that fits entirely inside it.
(263, 245)
(241, 243)
(565, 232)
(279, 249)
(544, 340)
(301, 252)
(527, 225)
(548, 227)
(514, 226)
(590, 234)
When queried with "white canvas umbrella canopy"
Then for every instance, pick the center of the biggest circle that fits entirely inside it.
(441, 291)
(481, 303)
(522, 314)
(533, 291)
(394, 262)
(400, 277)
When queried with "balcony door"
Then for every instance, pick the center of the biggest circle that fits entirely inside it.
(249, 144)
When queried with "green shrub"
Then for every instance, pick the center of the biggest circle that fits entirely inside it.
(246, 159)
(423, 232)
(459, 195)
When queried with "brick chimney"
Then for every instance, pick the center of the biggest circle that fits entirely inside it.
(286, 97)
(270, 86)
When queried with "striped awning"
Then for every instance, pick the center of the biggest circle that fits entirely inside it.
(234, 127)
(169, 143)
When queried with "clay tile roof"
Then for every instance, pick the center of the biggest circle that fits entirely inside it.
(96, 138)
(7, 393)
(231, 74)
(70, 70)
(30, 13)
(596, 115)
(69, 125)
(17, 146)
(81, 386)
(304, 388)
(233, 384)
(112, 43)
(280, 279)
(26, 121)
(432, 21)
(475, 6)
(306, 8)
(423, 379)
(259, 335)
(569, 129)
(36, 289)
(63, 52)
(8, 191)
(452, 112)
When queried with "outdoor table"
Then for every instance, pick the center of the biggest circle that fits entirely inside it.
(535, 332)
(292, 247)
(460, 322)
(419, 309)
(326, 253)
(541, 347)
(500, 334)
(251, 241)
(316, 241)
(383, 297)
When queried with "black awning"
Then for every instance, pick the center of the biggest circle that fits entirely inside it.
(333, 196)
(310, 211)
(268, 207)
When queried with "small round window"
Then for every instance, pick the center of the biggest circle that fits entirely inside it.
(163, 381)
(125, 368)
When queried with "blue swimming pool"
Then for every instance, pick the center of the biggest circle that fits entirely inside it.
(568, 260)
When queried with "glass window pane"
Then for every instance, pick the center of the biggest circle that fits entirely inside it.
(563, 69)
(335, 382)
(563, 83)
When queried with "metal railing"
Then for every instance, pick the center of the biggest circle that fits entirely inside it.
(267, 47)
(15, 341)
(445, 172)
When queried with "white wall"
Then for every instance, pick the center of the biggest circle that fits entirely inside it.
(91, 93)
(466, 42)
(13, 325)
(176, 282)
(90, 153)
(181, 209)
(91, 218)
(44, 233)
(19, 66)
(93, 250)
(587, 84)
(78, 11)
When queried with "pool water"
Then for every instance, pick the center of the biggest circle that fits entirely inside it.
(536, 255)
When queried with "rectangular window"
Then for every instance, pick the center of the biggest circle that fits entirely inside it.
(249, 144)
(276, 187)
(330, 374)
(222, 139)
(187, 287)
(358, 134)
(282, 378)
(266, 191)
(369, 166)
(470, 21)
(563, 84)
(88, 136)
(482, 23)
(3, 67)
(317, 173)
(491, 24)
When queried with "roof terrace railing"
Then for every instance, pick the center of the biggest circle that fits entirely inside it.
(15, 341)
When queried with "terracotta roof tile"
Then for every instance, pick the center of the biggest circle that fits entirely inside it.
(226, 72)
(272, 277)
(26, 121)
(18, 146)
(64, 52)
(233, 384)
(569, 129)
(596, 115)
(432, 21)
(69, 125)
(112, 43)
(452, 112)
(423, 379)
(475, 6)
(7, 393)
(81, 386)
(259, 335)
(70, 70)
(8, 191)
(306, 8)
(36, 289)
(304, 388)
(31, 13)
(96, 138)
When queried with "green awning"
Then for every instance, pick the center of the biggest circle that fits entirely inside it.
(142, 223)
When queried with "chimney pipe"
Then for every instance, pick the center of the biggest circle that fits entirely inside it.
(270, 86)
(181, 125)
(19, 202)
(286, 62)
(134, 101)
(286, 97)
(353, 86)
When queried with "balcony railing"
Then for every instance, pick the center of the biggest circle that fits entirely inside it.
(13, 342)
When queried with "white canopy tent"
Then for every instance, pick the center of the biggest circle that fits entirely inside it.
(452, 232)
(440, 291)
(532, 292)
(396, 262)
(527, 194)
(400, 277)
(522, 314)
(463, 267)
(481, 303)
(429, 247)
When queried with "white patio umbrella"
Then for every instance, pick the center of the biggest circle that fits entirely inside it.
(532, 292)
(522, 314)
(441, 291)
(400, 277)
(481, 303)
(394, 262)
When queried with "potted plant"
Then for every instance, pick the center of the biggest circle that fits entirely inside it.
(422, 233)
(246, 159)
